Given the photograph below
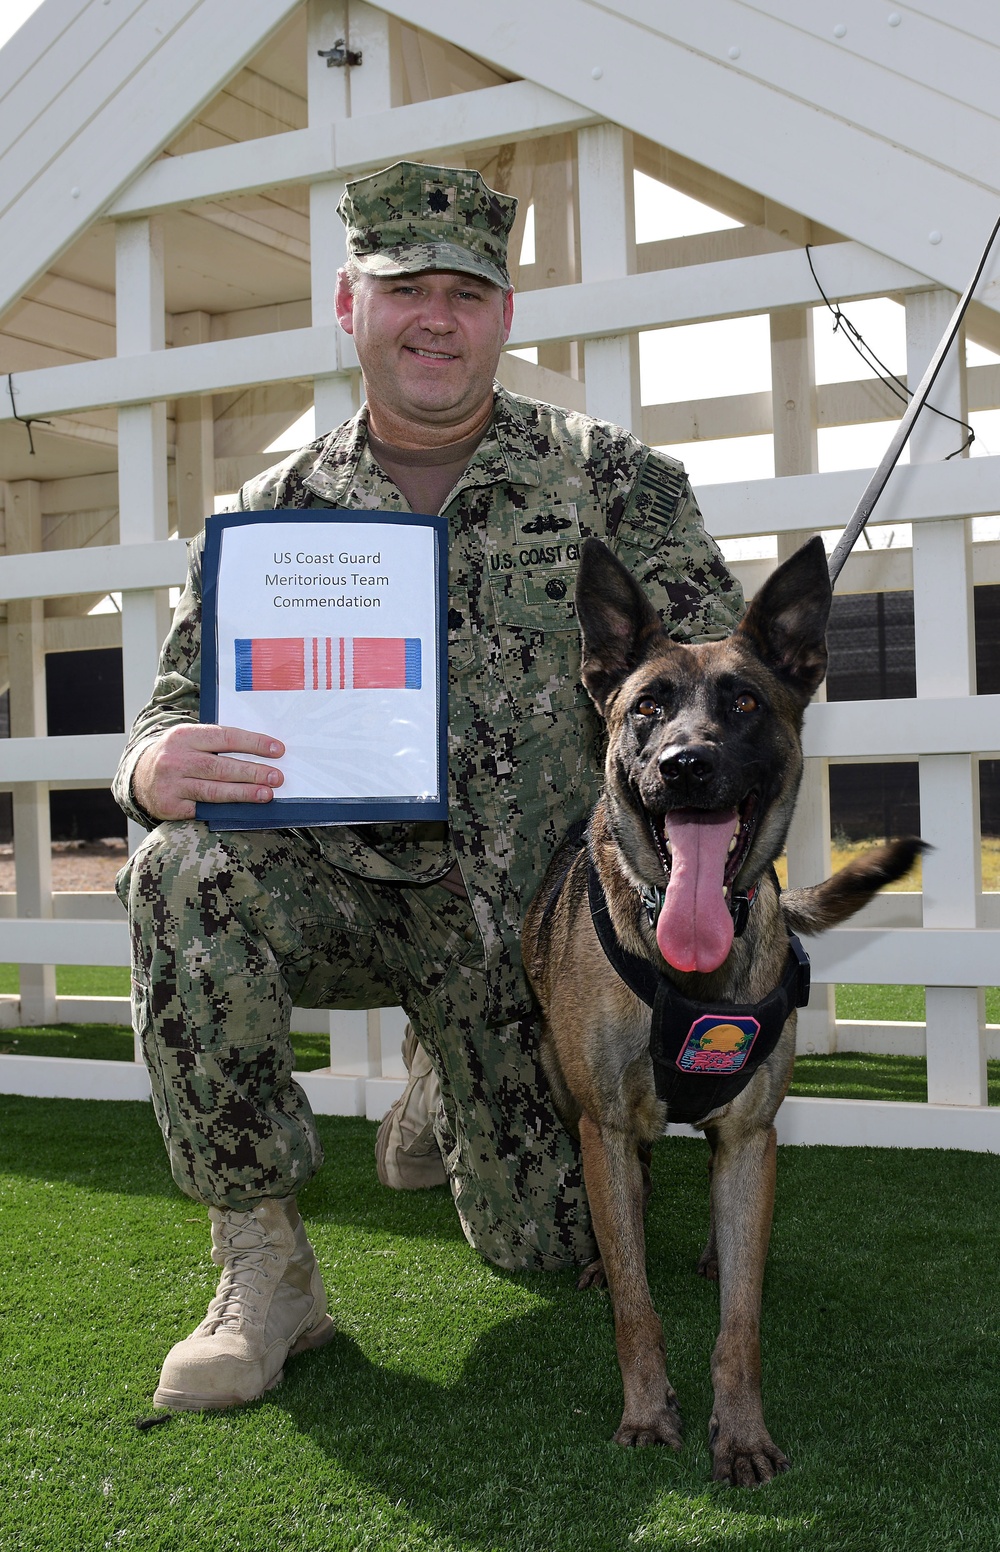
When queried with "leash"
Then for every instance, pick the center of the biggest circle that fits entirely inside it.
(703, 1054)
(876, 485)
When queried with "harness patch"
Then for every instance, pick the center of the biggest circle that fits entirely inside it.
(716, 1046)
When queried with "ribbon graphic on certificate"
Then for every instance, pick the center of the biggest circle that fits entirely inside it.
(328, 663)
(362, 715)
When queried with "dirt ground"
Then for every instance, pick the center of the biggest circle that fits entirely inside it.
(77, 866)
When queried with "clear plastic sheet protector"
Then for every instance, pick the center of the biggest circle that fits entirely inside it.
(328, 630)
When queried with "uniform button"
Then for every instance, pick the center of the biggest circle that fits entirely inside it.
(556, 588)
(470, 934)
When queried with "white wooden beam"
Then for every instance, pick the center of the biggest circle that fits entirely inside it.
(607, 253)
(948, 117)
(954, 50)
(914, 494)
(940, 956)
(142, 454)
(842, 731)
(420, 131)
(146, 78)
(946, 666)
(793, 398)
(861, 1123)
(32, 834)
(903, 729)
(65, 942)
(331, 97)
(736, 288)
(170, 374)
(97, 569)
(89, 757)
(48, 1077)
(194, 439)
(704, 106)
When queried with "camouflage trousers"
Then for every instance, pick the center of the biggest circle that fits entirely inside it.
(230, 930)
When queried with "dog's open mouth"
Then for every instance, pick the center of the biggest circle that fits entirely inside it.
(702, 851)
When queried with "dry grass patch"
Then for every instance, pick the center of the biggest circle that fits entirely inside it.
(846, 851)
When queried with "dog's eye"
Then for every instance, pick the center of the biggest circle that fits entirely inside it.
(746, 702)
(647, 707)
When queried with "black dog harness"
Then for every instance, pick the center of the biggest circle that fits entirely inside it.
(703, 1054)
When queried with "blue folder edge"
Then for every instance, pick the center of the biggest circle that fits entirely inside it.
(291, 813)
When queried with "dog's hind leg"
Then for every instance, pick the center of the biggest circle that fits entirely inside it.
(743, 1173)
(614, 1179)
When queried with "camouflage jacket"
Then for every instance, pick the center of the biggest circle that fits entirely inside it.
(524, 741)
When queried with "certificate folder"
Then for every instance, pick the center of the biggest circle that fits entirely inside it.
(327, 630)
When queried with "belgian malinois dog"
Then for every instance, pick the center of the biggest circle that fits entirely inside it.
(673, 902)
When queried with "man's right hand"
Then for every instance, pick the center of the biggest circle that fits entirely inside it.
(197, 762)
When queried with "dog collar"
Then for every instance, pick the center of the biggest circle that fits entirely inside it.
(703, 1054)
(739, 906)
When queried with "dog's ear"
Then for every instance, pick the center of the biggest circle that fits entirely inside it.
(616, 621)
(786, 622)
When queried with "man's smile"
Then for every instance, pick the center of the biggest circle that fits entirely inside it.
(431, 355)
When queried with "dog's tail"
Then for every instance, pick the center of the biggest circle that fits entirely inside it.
(820, 906)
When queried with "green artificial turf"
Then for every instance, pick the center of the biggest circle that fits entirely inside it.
(77, 980)
(114, 1043)
(849, 1075)
(464, 1409)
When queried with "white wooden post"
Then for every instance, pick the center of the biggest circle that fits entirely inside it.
(337, 93)
(945, 659)
(194, 438)
(32, 832)
(552, 189)
(607, 251)
(142, 456)
(330, 95)
(793, 411)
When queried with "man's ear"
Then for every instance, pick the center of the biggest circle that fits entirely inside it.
(617, 621)
(344, 302)
(508, 313)
(785, 624)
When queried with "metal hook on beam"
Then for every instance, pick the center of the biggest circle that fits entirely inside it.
(340, 55)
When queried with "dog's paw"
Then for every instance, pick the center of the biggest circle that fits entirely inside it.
(663, 1426)
(745, 1463)
(593, 1276)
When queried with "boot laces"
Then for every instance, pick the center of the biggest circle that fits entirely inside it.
(248, 1268)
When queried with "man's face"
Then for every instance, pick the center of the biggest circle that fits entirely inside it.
(428, 345)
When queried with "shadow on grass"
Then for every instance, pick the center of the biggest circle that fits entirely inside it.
(879, 1382)
(461, 1407)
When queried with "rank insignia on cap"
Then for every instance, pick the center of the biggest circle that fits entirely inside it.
(411, 218)
(718, 1046)
(438, 199)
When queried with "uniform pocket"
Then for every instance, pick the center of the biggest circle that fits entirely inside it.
(534, 555)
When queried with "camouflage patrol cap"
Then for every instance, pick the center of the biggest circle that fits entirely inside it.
(410, 218)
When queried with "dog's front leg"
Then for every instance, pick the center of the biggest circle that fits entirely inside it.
(743, 1171)
(613, 1175)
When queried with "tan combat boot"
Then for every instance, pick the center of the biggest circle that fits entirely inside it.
(407, 1156)
(270, 1305)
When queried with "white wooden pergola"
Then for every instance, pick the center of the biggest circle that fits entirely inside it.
(168, 189)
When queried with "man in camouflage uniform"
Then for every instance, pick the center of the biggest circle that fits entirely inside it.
(230, 930)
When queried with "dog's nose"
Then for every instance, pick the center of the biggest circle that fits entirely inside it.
(691, 767)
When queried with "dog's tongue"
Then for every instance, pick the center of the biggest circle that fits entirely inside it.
(695, 930)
